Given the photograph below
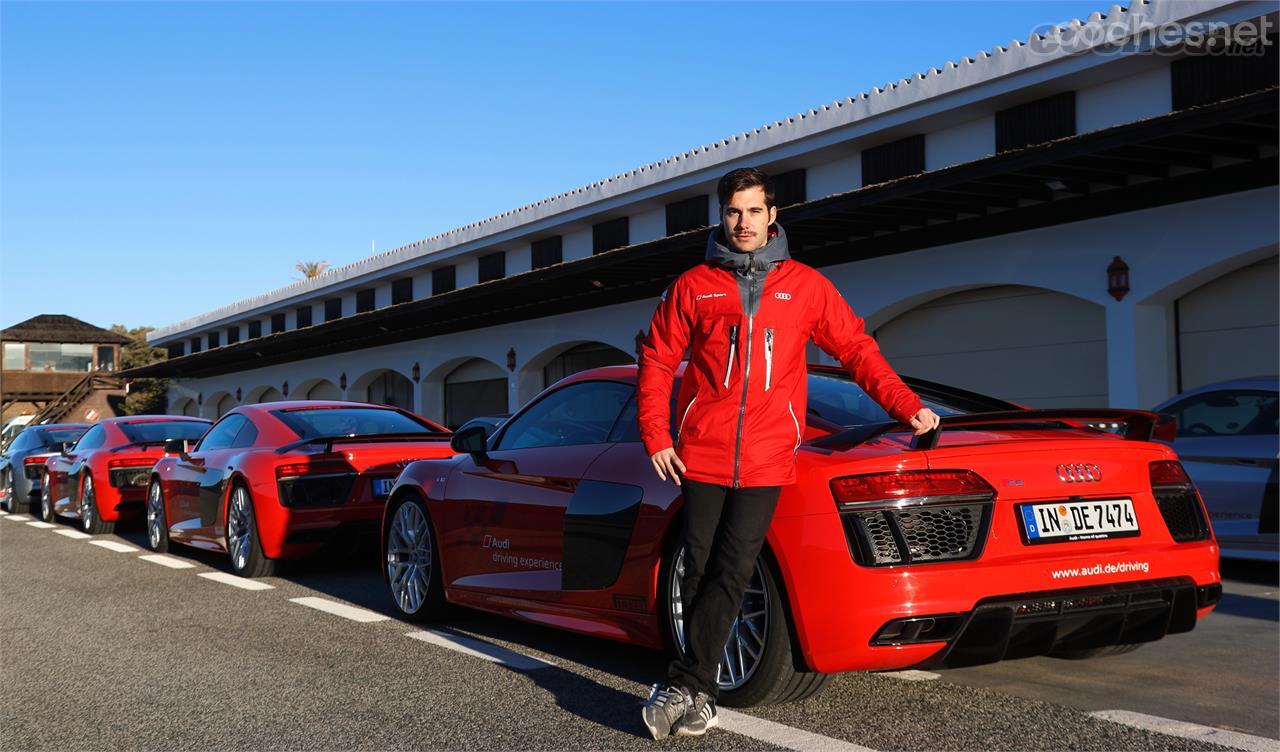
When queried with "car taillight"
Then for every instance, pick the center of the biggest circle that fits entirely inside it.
(33, 466)
(318, 483)
(914, 517)
(914, 484)
(1179, 502)
(130, 472)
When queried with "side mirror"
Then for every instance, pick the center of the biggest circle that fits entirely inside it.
(471, 441)
(65, 450)
(176, 446)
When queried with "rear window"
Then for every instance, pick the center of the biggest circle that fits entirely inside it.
(350, 421)
(49, 436)
(163, 430)
(839, 400)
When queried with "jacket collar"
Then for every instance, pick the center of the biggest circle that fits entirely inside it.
(772, 252)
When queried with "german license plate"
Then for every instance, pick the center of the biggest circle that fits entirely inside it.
(382, 486)
(1078, 520)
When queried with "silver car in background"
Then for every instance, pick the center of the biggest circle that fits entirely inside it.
(22, 463)
(1227, 440)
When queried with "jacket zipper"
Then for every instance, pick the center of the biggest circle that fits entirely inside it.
(768, 359)
(746, 370)
(793, 420)
(733, 353)
(683, 418)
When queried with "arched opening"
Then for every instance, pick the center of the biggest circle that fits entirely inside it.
(582, 357)
(1227, 328)
(477, 387)
(218, 404)
(322, 389)
(384, 387)
(186, 407)
(264, 394)
(1024, 344)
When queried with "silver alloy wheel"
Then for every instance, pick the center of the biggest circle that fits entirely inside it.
(409, 557)
(239, 528)
(155, 515)
(744, 647)
(46, 501)
(87, 505)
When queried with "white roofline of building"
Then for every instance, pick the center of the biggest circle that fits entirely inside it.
(1067, 40)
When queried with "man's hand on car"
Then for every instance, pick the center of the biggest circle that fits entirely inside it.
(666, 463)
(924, 421)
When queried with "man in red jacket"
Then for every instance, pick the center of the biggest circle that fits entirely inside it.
(745, 315)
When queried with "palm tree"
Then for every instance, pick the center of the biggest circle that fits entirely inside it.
(311, 269)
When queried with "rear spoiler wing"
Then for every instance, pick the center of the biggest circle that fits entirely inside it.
(1134, 425)
(372, 438)
(145, 444)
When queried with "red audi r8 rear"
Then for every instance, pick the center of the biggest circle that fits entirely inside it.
(104, 475)
(1009, 533)
(278, 480)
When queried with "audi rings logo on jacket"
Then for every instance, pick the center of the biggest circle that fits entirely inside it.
(1079, 473)
(782, 295)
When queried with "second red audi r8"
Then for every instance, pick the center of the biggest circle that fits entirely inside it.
(104, 474)
(1009, 533)
(278, 480)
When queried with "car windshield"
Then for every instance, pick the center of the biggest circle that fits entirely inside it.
(50, 436)
(837, 399)
(163, 430)
(349, 421)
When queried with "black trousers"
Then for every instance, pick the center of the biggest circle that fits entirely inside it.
(724, 529)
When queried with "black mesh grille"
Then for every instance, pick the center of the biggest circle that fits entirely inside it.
(1181, 511)
(316, 491)
(917, 534)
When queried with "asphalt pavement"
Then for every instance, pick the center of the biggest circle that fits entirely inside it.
(105, 647)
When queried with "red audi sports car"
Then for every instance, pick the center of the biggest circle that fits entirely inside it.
(279, 479)
(104, 474)
(1008, 533)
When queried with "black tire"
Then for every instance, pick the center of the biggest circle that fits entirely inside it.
(250, 562)
(780, 675)
(90, 517)
(16, 505)
(1102, 652)
(157, 519)
(403, 560)
(46, 501)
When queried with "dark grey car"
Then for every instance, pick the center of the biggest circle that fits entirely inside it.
(22, 463)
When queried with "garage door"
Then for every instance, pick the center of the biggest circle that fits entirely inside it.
(1023, 344)
(475, 388)
(1228, 327)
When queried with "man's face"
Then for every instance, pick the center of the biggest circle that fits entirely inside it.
(746, 220)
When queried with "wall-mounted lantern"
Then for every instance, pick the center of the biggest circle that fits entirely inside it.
(416, 372)
(511, 359)
(1118, 278)
(237, 394)
(342, 381)
(284, 388)
(640, 338)
(199, 398)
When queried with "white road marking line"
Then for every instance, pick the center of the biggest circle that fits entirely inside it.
(73, 534)
(16, 518)
(3, 513)
(481, 649)
(41, 525)
(783, 736)
(111, 545)
(167, 561)
(244, 583)
(912, 675)
(340, 609)
(1189, 730)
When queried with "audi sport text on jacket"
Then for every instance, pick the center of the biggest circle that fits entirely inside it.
(741, 407)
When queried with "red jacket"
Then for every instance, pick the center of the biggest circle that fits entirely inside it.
(746, 319)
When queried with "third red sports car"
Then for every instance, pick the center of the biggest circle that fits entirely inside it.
(104, 474)
(1009, 533)
(278, 479)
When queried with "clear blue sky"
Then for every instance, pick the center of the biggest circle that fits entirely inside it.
(159, 160)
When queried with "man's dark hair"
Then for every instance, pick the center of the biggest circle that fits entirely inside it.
(743, 179)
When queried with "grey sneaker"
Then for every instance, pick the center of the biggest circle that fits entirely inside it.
(665, 706)
(700, 718)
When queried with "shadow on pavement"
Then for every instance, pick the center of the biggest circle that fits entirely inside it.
(1258, 572)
